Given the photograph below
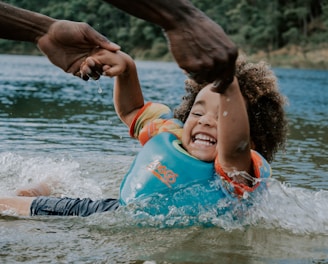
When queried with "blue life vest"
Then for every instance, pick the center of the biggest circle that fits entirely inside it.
(163, 169)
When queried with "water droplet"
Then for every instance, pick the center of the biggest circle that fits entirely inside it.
(99, 87)
(245, 195)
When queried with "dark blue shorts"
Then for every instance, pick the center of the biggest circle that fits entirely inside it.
(71, 206)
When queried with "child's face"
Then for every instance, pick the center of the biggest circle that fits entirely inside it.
(199, 136)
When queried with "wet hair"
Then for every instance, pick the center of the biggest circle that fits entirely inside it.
(265, 105)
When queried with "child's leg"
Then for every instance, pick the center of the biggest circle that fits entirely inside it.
(41, 189)
(18, 205)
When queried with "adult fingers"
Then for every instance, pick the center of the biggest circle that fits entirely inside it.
(99, 40)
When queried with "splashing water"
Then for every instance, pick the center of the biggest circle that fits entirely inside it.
(281, 206)
(298, 210)
(63, 175)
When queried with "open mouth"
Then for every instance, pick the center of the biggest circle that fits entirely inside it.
(203, 139)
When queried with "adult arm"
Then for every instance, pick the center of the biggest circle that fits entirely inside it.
(66, 44)
(198, 44)
(22, 25)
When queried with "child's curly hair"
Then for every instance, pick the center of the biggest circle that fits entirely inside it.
(265, 105)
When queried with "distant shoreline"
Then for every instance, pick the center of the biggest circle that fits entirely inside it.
(288, 57)
(295, 57)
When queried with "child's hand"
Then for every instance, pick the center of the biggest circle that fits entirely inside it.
(104, 62)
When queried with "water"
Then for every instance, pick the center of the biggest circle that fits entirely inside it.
(60, 129)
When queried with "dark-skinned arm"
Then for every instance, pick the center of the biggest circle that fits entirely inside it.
(22, 25)
(66, 43)
(198, 44)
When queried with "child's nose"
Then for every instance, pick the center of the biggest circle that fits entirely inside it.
(207, 120)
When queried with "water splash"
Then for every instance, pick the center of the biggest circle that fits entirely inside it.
(298, 210)
(63, 175)
(280, 207)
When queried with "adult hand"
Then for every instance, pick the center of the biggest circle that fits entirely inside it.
(203, 50)
(67, 44)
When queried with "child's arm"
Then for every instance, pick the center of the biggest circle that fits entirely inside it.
(128, 98)
(233, 131)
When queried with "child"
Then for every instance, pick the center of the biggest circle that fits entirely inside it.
(212, 126)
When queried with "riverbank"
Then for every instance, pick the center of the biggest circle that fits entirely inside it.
(287, 57)
(295, 57)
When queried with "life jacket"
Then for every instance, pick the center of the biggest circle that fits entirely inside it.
(164, 169)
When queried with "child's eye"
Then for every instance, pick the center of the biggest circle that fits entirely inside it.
(196, 114)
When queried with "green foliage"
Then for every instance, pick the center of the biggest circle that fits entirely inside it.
(252, 24)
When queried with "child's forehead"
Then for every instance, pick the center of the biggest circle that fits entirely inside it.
(206, 92)
(207, 97)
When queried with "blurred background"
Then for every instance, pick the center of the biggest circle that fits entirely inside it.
(285, 33)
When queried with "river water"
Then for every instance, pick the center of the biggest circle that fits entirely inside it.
(59, 129)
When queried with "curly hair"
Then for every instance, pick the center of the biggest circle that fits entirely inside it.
(265, 105)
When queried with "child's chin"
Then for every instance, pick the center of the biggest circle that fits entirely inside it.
(204, 158)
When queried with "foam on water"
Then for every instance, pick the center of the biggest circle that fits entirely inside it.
(63, 175)
(298, 210)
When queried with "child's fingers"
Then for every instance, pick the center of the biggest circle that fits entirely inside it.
(110, 65)
(87, 72)
(90, 62)
(90, 68)
(85, 69)
(113, 70)
(106, 68)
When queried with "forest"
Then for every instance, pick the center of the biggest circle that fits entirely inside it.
(271, 28)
